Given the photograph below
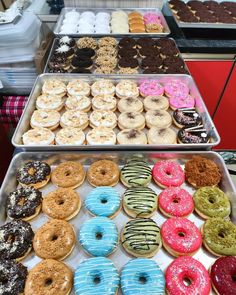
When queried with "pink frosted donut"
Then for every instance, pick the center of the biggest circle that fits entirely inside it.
(175, 201)
(151, 18)
(182, 102)
(176, 88)
(151, 87)
(180, 236)
(168, 173)
(187, 276)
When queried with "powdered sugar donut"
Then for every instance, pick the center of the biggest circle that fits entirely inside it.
(176, 88)
(168, 173)
(182, 102)
(175, 201)
(180, 236)
(151, 87)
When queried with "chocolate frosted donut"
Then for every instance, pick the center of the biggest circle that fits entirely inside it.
(128, 63)
(173, 60)
(153, 70)
(149, 51)
(176, 70)
(127, 42)
(165, 42)
(12, 277)
(151, 61)
(86, 52)
(15, 239)
(24, 203)
(81, 62)
(193, 135)
(143, 42)
(186, 118)
(127, 53)
(169, 51)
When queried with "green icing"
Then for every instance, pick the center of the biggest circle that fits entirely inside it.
(220, 236)
(212, 202)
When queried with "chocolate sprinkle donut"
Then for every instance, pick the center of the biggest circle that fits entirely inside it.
(12, 277)
(23, 202)
(15, 239)
(40, 171)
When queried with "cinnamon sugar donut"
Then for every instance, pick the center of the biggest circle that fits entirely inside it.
(49, 277)
(63, 203)
(68, 175)
(103, 173)
(54, 240)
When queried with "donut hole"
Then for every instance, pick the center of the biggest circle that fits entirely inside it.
(143, 278)
(176, 200)
(222, 234)
(60, 201)
(31, 171)
(168, 172)
(104, 199)
(181, 234)
(233, 277)
(48, 282)
(103, 172)
(11, 239)
(67, 173)
(187, 281)
(21, 201)
(98, 235)
(95, 277)
(96, 280)
(54, 238)
(211, 200)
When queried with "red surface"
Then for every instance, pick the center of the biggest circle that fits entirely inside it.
(225, 117)
(210, 77)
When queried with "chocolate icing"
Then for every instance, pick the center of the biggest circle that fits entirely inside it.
(149, 51)
(164, 42)
(127, 42)
(193, 135)
(153, 70)
(85, 52)
(128, 63)
(81, 70)
(127, 53)
(151, 61)
(142, 42)
(173, 60)
(187, 117)
(81, 62)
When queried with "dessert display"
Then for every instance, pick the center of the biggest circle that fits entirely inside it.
(108, 55)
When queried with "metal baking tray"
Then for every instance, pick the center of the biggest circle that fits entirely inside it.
(119, 257)
(58, 25)
(23, 124)
(200, 25)
(55, 42)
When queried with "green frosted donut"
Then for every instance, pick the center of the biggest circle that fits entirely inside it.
(211, 202)
(219, 236)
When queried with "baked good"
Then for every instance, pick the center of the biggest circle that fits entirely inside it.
(45, 119)
(103, 173)
(104, 102)
(131, 136)
(54, 240)
(16, 239)
(185, 117)
(101, 135)
(150, 62)
(175, 201)
(85, 52)
(126, 88)
(196, 134)
(62, 203)
(103, 118)
(176, 88)
(159, 119)
(38, 136)
(70, 136)
(35, 174)
(64, 51)
(68, 175)
(140, 237)
(127, 42)
(54, 87)
(128, 62)
(156, 103)
(142, 276)
(178, 102)
(107, 51)
(24, 203)
(131, 120)
(187, 269)
(161, 136)
(200, 171)
(103, 86)
(151, 87)
(107, 41)
(104, 70)
(99, 236)
(87, 42)
(168, 173)
(130, 103)
(140, 202)
(180, 236)
(81, 62)
(74, 118)
(127, 71)
(136, 172)
(66, 40)
(79, 103)
(49, 102)
(78, 88)
(106, 61)
(127, 52)
(49, 277)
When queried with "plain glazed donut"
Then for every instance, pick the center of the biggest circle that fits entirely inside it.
(180, 236)
(185, 275)
(54, 240)
(103, 173)
(96, 276)
(49, 277)
(168, 173)
(68, 175)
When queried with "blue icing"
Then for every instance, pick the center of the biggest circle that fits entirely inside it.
(96, 276)
(103, 201)
(142, 276)
(99, 236)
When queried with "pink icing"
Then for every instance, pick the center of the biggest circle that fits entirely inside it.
(183, 268)
(178, 102)
(176, 201)
(152, 18)
(181, 235)
(176, 88)
(151, 87)
(168, 173)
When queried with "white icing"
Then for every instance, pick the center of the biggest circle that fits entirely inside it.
(203, 134)
(63, 48)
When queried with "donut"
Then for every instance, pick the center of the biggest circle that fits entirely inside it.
(54, 240)
(131, 104)
(196, 134)
(45, 119)
(104, 102)
(186, 275)
(16, 239)
(99, 236)
(127, 42)
(66, 40)
(219, 237)
(176, 89)
(101, 136)
(156, 103)
(96, 275)
(127, 88)
(79, 103)
(103, 118)
(38, 136)
(175, 201)
(136, 173)
(161, 136)
(142, 276)
(222, 273)
(34, 173)
(87, 52)
(185, 117)
(49, 277)
(131, 120)
(200, 171)
(180, 236)
(103, 173)
(168, 173)
(13, 277)
(177, 102)
(63, 203)
(54, 87)
(103, 86)
(103, 201)
(49, 102)
(211, 202)
(81, 62)
(140, 202)
(131, 136)
(159, 119)
(70, 136)
(24, 203)
(151, 87)
(140, 237)
(68, 175)
(74, 118)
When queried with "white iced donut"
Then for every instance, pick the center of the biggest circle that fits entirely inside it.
(80, 103)
(70, 136)
(49, 102)
(104, 102)
(78, 88)
(101, 135)
(45, 118)
(54, 87)
(75, 119)
(103, 119)
(38, 136)
(103, 87)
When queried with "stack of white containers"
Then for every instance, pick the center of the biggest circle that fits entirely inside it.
(18, 46)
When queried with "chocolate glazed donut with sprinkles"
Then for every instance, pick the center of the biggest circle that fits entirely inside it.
(141, 237)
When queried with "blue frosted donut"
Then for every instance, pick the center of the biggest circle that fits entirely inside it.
(103, 201)
(99, 236)
(96, 276)
(142, 276)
